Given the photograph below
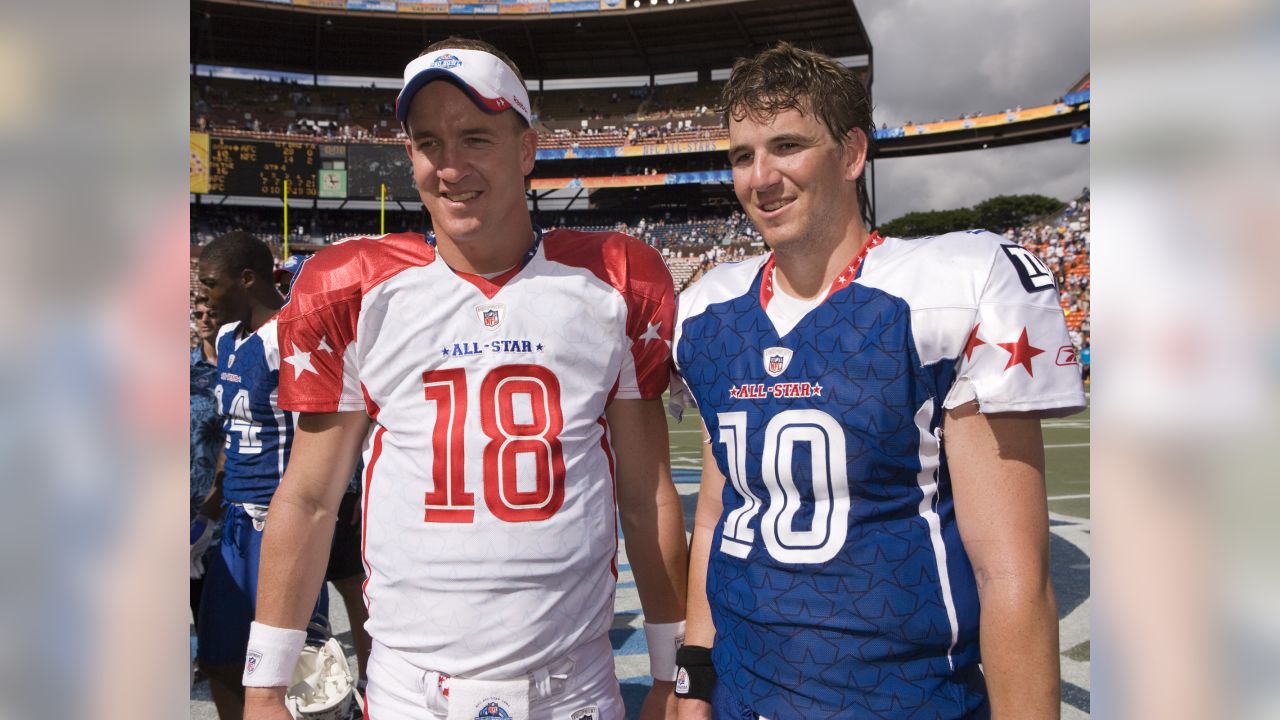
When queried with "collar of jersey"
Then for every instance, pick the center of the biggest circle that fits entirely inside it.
(491, 286)
(851, 272)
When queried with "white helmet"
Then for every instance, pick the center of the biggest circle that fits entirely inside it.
(324, 688)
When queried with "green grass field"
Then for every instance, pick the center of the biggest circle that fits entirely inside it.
(1066, 442)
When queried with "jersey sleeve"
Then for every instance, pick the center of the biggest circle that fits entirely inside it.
(651, 311)
(1017, 355)
(316, 330)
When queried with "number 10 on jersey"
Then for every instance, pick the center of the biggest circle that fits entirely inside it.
(536, 433)
(825, 536)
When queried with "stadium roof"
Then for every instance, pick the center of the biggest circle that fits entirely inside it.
(651, 40)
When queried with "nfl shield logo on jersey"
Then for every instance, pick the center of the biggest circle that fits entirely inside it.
(776, 360)
(491, 315)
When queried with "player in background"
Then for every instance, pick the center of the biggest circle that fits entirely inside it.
(206, 448)
(235, 271)
(875, 403)
(504, 384)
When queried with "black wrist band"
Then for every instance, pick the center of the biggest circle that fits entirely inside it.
(695, 675)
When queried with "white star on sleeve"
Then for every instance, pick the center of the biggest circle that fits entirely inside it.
(324, 346)
(651, 333)
(301, 362)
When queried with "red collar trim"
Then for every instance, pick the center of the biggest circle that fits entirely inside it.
(489, 286)
(846, 276)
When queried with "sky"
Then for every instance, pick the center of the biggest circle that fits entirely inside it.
(940, 59)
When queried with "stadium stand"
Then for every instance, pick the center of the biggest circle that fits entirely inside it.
(609, 117)
(1063, 243)
(690, 247)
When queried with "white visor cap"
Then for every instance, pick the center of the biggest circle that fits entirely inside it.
(490, 83)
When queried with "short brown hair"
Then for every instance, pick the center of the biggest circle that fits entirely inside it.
(786, 77)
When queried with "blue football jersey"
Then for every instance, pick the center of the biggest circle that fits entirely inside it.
(258, 432)
(838, 583)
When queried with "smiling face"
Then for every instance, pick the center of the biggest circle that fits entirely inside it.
(469, 167)
(796, 183)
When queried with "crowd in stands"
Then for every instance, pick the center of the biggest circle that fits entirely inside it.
(691, 246)
(565, 118)
(1063, 243)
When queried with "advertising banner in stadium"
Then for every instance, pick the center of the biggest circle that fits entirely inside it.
(332, 183)
(332, 4)
(982, 121)
(515, 7)
(415, 6)
(721, 145)
(472, 9)
(706, 177)
(199, 162)
(576, 6)
(710, 177)
(612, 4)
(374, 5)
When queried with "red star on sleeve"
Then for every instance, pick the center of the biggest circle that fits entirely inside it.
(1020, 352)
(973, 342)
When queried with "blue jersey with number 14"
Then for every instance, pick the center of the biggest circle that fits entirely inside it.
(258, 432)
(837, 580)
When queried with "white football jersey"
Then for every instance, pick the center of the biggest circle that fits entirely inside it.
(490, 535)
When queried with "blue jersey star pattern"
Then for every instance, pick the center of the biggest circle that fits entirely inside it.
(785, 622)
(258, 433)
(838, 582)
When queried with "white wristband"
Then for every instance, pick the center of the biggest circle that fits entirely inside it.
(664, 639)
(273, 653)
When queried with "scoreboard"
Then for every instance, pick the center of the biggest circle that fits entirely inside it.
(260, 167)
(235, 166)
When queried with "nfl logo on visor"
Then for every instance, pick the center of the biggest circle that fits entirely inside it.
(447, 61)
(776, 360)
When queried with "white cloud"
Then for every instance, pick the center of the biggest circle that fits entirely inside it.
(943, 59)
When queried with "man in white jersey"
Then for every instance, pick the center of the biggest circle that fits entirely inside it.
(880, 548)
(504, 385)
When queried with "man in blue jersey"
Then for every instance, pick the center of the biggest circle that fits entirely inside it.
(880, 546)
(236, 272)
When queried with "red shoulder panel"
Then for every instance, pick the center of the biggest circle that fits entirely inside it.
(638, 273)
(319, 322)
